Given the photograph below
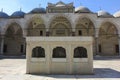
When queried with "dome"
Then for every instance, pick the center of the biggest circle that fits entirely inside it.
(117, 14)
(104, 14)
(3, 15)
(82, 9)
(18, 14)
(38, 10)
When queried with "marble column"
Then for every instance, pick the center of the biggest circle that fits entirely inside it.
(96, 41)
(24, 43)
(96, 46)
(2, 45)
(24, 46)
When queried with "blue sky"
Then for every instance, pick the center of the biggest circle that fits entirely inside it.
(10, 6)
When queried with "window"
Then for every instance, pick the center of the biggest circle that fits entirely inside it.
(80, 33)
(100, 48)
(80, 52)
(117, 48)
(59, 52)
(5, 48)
(41, 33)
(38, 52)
(21, 50)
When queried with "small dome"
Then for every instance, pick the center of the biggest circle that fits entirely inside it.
(104, 14)
(18, 14)
(82, 9)
(117, 14)
(3, 15)
(38, 10)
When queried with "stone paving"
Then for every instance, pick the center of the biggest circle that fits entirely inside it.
(105, 68)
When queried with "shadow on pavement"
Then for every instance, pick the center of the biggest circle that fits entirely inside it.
(106, 57)
(98, 73)
(13, 57)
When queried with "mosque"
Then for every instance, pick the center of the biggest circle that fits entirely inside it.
(60, 20)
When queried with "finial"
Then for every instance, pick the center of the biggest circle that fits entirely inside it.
(100, 8)
(2, 10)
(20, 9)
(80, 4)
(39, 5)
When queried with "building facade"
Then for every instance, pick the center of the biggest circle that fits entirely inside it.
(60, 20)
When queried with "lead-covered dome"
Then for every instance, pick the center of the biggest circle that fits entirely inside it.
(117, 14)
(18, 14)
(38, 10)
(103, 13)
(82, 9)
(3, 15)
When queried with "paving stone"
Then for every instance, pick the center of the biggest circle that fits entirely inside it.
(105, 68)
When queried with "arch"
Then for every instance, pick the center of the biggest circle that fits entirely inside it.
(59, 15)
(60, 24)
(59, 52)
(36, 27)
(38, 52)
(15, 29)
(85, 16)
(11, 22)
(111, 22)
(14, 43)
(110, 27)
(108, 39)
(86, 26)
(80, 52)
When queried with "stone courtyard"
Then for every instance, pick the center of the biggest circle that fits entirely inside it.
(105, 68)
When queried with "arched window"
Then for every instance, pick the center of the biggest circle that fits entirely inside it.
(59, 52)
(38, 52)
(80, 52)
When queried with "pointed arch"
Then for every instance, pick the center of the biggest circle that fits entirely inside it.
(36, 27)
(84, 27)
(110, 27)
(59, 15)
(60, 26)
(14, 42)
(108, 39)
(14, 29)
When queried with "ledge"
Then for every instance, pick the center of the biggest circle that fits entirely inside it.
(38, 59)
(80, 59)
(59, 38)
(59, 60)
